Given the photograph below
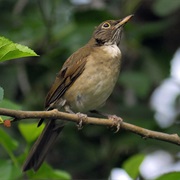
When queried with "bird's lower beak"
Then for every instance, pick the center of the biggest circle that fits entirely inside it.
(124, 20)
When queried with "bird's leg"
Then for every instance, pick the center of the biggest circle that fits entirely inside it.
(117, 120)
(81, 116)
(68, 109)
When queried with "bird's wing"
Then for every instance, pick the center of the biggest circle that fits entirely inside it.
(71, 70)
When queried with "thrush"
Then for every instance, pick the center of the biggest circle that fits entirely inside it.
(83, 84)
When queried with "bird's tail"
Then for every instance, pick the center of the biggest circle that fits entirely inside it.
(41, 147)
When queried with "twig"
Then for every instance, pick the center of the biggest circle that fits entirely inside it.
(145, 133)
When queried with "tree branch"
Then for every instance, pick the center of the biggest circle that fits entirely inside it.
(55, 114)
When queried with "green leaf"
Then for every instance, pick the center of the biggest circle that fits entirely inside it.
(8, 171)
(30, 131)
(10, 105)
(171, 175)
(62, 174)
(7, 141)
(9, 144)
(165, 7)
(132, 165)
(16, 172)
(10, 50)
(5, 169)
(46, 172)
(1, 93)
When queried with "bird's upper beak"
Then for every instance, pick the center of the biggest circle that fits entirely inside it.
(124, 21)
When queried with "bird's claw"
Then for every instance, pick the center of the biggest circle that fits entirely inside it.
(117, 121)
(82, 117)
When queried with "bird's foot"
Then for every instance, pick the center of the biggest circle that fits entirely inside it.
(117, 121)
(82, 117)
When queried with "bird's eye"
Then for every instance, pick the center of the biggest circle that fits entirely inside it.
(106, 25)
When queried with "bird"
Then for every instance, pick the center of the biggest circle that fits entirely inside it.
(84, 83)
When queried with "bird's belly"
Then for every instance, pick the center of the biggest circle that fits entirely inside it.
(93, 87)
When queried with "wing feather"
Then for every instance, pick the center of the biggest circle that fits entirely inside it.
(71, 70)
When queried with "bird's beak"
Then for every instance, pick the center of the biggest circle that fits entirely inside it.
(124, 21)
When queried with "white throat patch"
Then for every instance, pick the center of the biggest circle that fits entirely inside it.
(112, 49)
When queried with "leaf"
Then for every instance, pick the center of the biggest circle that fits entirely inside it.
(10, 105)
(62, 174)
(30, 131)
(1, 120)
(1, 93)
(10, 50)
(16, 173)
(132, 165)
(8, 171)
(46, 172)
(5, 169)
(164, 7)
(171, 175)
(7, 141)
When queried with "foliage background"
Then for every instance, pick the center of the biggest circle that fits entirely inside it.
(56, 28)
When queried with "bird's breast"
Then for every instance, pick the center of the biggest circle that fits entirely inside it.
(96, 83)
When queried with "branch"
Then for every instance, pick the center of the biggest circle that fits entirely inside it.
(55, 114)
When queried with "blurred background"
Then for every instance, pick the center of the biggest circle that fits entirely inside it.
(147, 93)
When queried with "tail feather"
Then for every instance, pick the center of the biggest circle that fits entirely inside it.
(41, 147)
